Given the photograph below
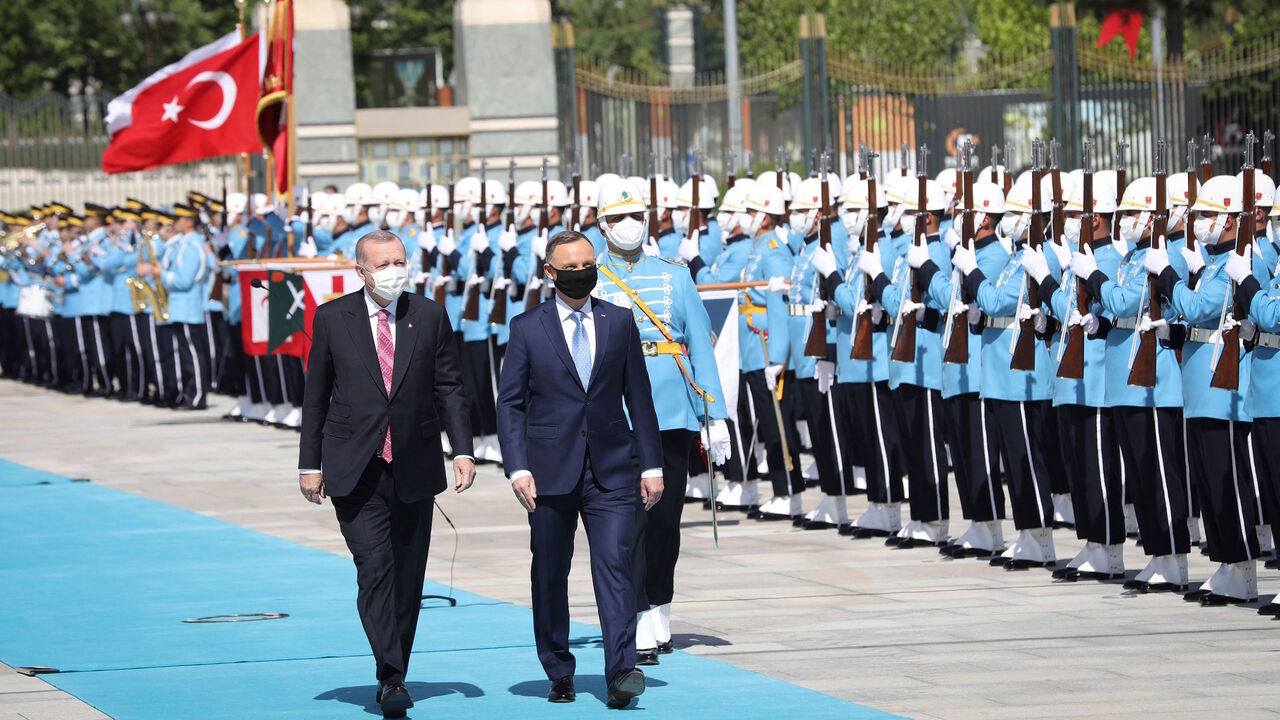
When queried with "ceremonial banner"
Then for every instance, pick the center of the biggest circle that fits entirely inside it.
(722, 307)
(277, 318)
(200, 107)
(286, 313)
(277, 85)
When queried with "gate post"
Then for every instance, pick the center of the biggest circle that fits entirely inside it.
(813, 53)
(1066, 80)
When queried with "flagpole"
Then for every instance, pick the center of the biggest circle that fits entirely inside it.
(292, 128)
(247, 161)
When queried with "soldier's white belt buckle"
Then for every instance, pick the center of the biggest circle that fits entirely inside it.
(1127, 323)
(800, 310)
(1001, 323)
(1268, 340)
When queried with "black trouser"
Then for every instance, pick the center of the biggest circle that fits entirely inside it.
(1219, 453)
(229, 367)
(768, 435)
(657, 545)
(479, 385)
(872, 427)
(93, 345)
(69, 369)
(292, 379)
(126, 352)
(742, 463)
(1150, 440)
(1055, 458)
(167, 352)
(1097, 493)
(920, 418)
(974, 457)
(153, 371)
(1264, 443)
(1019, 429)
(13, 344)
(818, 411)
(388, 540)
(609, 518)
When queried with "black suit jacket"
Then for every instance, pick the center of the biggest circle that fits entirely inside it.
(346, 408)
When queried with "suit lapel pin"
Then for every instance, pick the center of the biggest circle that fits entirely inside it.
(410, 324)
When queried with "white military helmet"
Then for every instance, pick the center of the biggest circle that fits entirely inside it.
(557, 194)
(317, 200)
(495, 193)
(1221, 193)
(401, 207)
(668, 194)
(909, 192)
(1264, 188)
(988, 198)
(1176, 185)
(620, 197)
(898, 188)
(706, 193)
(1139, 196)
(765, 197)
(948, 179)
(992, 175)
(439, 197)
(467, 190)
(770, 177)
(855, 195)
(808, 195)
(605, 179)
(357, 196)
(732, 216)
(529, 193)
(1110, 177)
(237, 203)
(383, 192)
(714, 189)
(1104, 197)
(589, 192)
(643, 184)
(1077, 177)
(261, 205)
(793, 179)
(1019, 198)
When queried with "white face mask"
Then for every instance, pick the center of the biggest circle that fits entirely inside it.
(854, 222)
(680, 219)
(396, 218)
(891, 219)
(1071, 231)
(328, 222)
(1208, 230)
(801, 222)
(1008, 227)
(522, 214)
(349, 214)
(753, 225)
(420, 217)
(389, 282)
(1275, 227)
(535, 214)
(1131, 228)
(376, 214)
(628, 233)
(908, 225)
(1176, 214)
(742, 222)
(722, 219)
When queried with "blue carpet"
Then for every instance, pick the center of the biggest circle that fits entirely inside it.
(96, 582)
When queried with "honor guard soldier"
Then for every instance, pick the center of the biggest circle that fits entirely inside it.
(732, 258)
(668, 240)
(353, 221)
(401, 219)
(587, 200)
(1217, 419)
(675, 333)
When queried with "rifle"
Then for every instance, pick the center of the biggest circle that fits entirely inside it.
(1024, 351)
(471, 308)
(533, 299)
(813, 162)
(449, 219)
(695, 213)
(626, 164)
(751, 170)
(730, 163)
(1071, 354)
(906, 158)
(653, 197)
(575, 214)
(1059, 218)
(958, 343)
(1142, 358)
(1121, 146)
(1006, 177)
(1267, 138)
(862, 330)
(816, 344)
(1206, 160)
(498, 302)
(1226, 362)
(778, 167)
(1190, 220)
(904, 341)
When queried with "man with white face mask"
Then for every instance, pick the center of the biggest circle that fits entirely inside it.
(371, 443)
(354, 219)
(732, 220)
(675, 335)
(1217, 420)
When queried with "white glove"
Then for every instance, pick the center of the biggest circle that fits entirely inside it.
(823, 261)
(910, 306)
(771, 375)
(1156, 260)
(1063, 251)
(308, 248)
(535, 284)
(1248, 329)
(689, 247)
(539, 245)
(1161, 327)
(877, 310)
(1026, 312)
(442, 280)
(965, 260)
(818, 305)
(917, 255)
(717, 444)
(501, 284)
(869, 263)
(1035, 264)
(1239, 266)
(448, 244)
(1083, 264)
(1089, 322)
(1194, 260)
(480, 241)
(825, 372)
(777, 285)
(972, 313)
(651, 249)
(419, 278)
(507, 240)
(474, 280)
(952, 238)
(427, 238)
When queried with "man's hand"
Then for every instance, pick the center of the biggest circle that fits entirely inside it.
(869, 264)
(825, 373)
(1193, 259)
(526, 492)
(464, 473)
(965, 260)
(917, 255)
(1238, 267)
(1156, 260)
(1161, 327)
(823, 261)
(771, 375)
(312, 486)
(717, 445)
(447, 244)
(778, 285)
(1035, 264)
(650, 491)
(1082, 263)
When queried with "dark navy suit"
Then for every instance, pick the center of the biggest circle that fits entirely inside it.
(582, 452)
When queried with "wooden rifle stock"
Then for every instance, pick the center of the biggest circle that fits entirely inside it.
(534, 299)
(862, 346)
(816, 344)
(957, 352)
(1071, 366)
(1143, 371)
(1024, 351)
(1226, 376)
(904, 350)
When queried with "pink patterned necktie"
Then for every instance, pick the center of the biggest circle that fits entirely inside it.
(386, 358)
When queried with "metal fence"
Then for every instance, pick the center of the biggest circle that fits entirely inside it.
(814, 100)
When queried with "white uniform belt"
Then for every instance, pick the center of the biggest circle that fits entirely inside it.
(799, 310)
(1126, 323)
(1000, 323)
(1201, 335)
(1267, 340)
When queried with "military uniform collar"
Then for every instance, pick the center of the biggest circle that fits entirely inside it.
(1220, 248)
(979, 244)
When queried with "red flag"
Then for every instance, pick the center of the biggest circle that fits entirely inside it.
(277, 85)
(1126, 22)
(200, 107)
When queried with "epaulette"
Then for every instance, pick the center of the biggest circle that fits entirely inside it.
(673, 261)
(413, 231)
(773, 244)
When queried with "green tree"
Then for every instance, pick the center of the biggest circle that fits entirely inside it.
(398, 24)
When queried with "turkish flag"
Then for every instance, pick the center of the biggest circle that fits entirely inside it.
(200, 107)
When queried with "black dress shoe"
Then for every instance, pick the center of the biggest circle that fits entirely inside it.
(1136, 585)
(1272, 563)
(1164, 587)
(1065, 573)
(862, 533)
(774, 517)
(848, 530)
(909, 543)
(1270, 609)
(799, 521)
(394, 699)
(817, 525)
(562, 690)
(1216, 600)
(624, 686)
(665, 648)
(647, 657)
(1020, 564)
(893, 541)
(1195, 595)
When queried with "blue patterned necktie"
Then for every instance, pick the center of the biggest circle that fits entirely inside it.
(581, 348)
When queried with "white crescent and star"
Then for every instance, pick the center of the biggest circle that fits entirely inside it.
(228, 86)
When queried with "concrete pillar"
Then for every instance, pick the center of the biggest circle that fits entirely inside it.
(506, 78)
(325, 101)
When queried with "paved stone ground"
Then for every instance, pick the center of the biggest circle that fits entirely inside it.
(903, 631)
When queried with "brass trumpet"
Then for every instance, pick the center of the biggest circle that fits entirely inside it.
(147, 292)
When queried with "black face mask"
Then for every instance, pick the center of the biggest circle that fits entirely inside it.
(576, 284)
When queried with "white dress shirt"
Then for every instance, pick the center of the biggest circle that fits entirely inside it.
(373, 307)
(568, 326)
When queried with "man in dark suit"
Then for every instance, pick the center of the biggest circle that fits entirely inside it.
(382, 381)
(569, 451)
